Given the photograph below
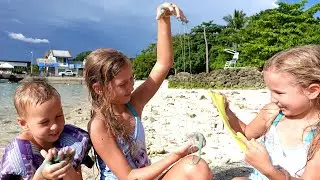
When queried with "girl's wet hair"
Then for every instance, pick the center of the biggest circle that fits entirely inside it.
(101, 66)
(303, 63)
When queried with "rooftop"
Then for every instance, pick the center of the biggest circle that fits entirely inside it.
(60, 53)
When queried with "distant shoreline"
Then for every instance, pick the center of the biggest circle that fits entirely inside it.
(57, 80)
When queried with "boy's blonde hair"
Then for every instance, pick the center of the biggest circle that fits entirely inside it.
(33, 93)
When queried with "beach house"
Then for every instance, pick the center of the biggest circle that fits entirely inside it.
(56, 61)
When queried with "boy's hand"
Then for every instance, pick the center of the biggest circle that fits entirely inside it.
(69, 153)
(47, 170)
(71, 174)
(63, 154)
(169, 9)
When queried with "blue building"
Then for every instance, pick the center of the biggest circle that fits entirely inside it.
(56, 61)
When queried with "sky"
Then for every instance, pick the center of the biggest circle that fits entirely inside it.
(80, 25)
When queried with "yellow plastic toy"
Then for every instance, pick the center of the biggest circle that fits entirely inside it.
(218, 100)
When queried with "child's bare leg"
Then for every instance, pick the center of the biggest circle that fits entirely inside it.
(185, 169)
(240, 178)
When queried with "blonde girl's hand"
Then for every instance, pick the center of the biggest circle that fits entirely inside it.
(170, 9)
(225, 99)
(257, 156)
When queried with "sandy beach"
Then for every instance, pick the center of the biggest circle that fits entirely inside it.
(173, 113)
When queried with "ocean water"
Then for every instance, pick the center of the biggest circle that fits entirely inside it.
(71, 95)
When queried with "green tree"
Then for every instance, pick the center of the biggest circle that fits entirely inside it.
(143, 63)
(257, 38)
(237, 20)
(274, 30)
(189, 49)
(81, 56)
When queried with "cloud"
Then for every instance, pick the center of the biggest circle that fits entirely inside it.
(17, 21)
(21, 37)
(274, 4)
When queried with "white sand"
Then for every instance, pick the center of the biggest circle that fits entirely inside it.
(172, 113)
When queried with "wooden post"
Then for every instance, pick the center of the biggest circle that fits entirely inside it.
(207, 56)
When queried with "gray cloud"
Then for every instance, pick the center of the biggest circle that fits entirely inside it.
(21, 37)
(116, 12)
(79, 25)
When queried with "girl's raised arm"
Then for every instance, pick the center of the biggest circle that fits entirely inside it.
(164, 56)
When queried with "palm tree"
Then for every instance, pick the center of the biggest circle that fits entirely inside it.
(237, 20)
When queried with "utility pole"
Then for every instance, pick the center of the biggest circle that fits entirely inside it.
(189, 55)
(207, 56)
(184, 53)
(31, 62)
